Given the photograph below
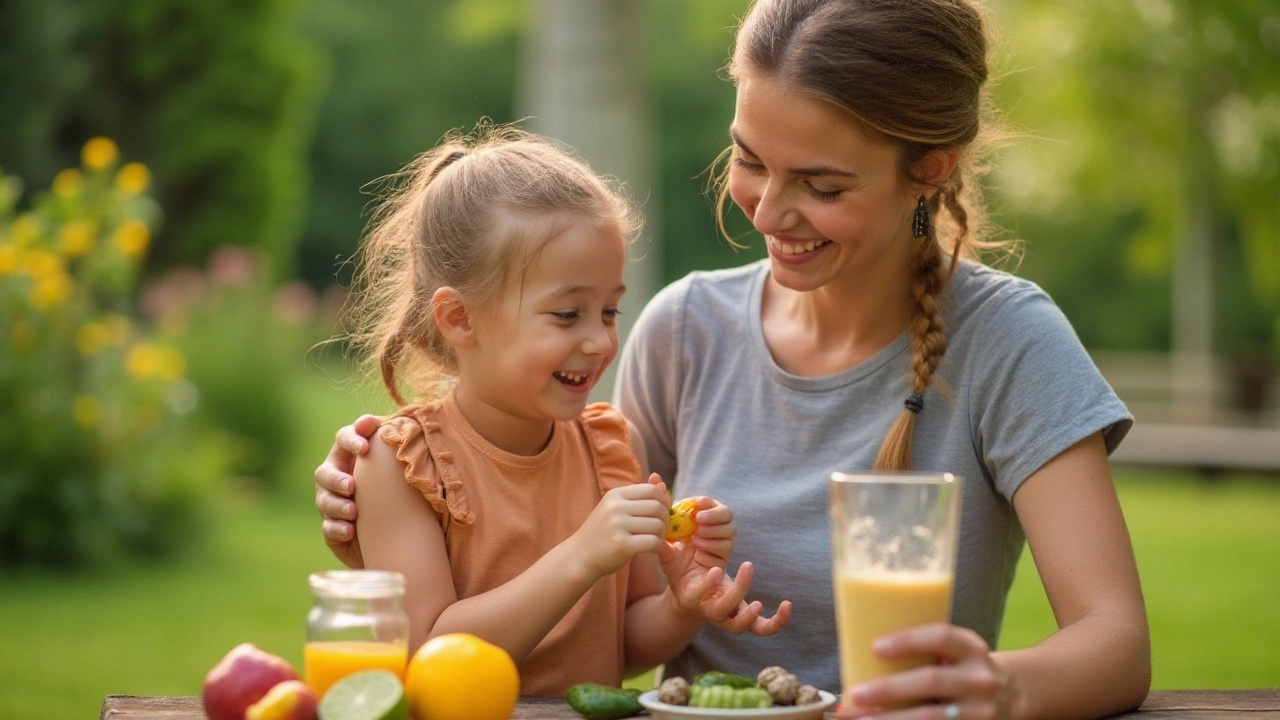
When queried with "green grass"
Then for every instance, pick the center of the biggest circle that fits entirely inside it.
(1208, 553)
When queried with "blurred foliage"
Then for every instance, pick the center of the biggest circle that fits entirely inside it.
(101, 455)
(243, 336)
(1137, 110)
(218, 98)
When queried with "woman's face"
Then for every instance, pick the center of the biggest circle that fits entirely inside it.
(832, 205)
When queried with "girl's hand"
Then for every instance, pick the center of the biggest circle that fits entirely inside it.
(336, 488)
(696, 573)
(627, 521)
(966, 683)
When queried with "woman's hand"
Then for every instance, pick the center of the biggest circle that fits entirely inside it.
(336, 489)
(966, 682)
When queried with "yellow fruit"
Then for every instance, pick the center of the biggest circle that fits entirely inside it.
(461, 677)
(682, 525)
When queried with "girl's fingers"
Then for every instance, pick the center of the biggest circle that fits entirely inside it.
(765, 627)
(336, 531)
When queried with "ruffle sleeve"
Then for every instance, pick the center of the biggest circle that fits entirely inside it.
(610, 440)
(414, 433)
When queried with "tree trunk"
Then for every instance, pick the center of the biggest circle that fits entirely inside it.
(583, 83)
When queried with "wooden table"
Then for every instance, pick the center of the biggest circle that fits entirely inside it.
(1160, 705)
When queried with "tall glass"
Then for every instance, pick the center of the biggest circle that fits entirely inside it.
(893, 550)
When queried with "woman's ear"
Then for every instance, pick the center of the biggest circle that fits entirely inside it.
(934, 168)
(452, 317)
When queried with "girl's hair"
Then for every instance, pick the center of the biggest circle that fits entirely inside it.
(471, 214)
(910, 74)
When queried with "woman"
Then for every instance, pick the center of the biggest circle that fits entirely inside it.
(871, 337)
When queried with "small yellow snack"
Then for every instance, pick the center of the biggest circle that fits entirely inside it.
(682, 525)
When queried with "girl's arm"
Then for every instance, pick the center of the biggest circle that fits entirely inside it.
(1099, 661)
(400, 531)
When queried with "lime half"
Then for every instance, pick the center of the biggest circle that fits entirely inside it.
(365, 695)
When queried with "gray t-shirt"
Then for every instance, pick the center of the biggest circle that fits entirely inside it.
(720, 418)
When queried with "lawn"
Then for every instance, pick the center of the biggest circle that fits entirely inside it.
(1208, 552)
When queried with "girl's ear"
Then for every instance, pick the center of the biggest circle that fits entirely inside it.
(452, 317)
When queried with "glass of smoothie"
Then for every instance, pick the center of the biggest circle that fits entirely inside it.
(893, 550)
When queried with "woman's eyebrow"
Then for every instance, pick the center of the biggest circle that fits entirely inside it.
(812, 171)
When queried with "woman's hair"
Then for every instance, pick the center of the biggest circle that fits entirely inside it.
(910, 74)
(470, 214)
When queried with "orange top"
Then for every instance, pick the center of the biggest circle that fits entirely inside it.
(500, 512)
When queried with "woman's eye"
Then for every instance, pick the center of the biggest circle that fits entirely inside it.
(823, 195)
(746, 165)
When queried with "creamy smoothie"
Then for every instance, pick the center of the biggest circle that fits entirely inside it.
(870, 604)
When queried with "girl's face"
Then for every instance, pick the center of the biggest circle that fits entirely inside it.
(547, 339)
(831, 204)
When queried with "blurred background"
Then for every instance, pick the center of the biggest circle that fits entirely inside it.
(181, 183)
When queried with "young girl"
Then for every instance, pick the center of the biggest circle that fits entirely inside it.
(490, 281)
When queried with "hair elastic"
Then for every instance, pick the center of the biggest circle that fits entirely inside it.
(914, 402)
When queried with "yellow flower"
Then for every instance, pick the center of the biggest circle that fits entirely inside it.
(170, 363)
(10, 256)
(87, 410)
(131, 238)
(117, 327)
(133, 178)
(92, 337)
(40, 263)
(142, 361)
(25, 229)
(77, 238)
(67, 183)
(99, 153)
(50, 291)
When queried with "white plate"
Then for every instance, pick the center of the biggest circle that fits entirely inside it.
(663, 711)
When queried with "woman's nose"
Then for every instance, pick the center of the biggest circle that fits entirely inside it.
(773, 213)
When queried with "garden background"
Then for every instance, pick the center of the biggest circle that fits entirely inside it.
(182, 181)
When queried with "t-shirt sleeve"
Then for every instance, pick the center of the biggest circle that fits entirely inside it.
(428, 468)
(647, 384)
(606, 428)
(1036, 392)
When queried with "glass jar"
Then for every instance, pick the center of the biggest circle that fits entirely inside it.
(357, 622)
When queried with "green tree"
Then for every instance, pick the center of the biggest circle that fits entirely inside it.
(1162, 159)
(216, 97)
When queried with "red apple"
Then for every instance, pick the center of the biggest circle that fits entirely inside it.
(240, 679)
(289, 700)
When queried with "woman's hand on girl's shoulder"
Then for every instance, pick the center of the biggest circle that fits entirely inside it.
(336, 488)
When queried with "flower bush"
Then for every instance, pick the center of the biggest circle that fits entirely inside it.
(99, 452)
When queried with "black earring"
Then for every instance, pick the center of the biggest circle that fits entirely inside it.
(920, 221)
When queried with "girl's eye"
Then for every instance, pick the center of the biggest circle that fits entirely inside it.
(566, 315)
(823, 195)
(611, 315)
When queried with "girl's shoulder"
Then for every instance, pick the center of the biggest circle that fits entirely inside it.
(609, 436)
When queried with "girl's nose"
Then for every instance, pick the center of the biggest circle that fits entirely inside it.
(599, 341)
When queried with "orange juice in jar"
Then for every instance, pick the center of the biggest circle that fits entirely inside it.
(357, 622)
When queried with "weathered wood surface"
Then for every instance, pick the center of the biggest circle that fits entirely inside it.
(1160, 705)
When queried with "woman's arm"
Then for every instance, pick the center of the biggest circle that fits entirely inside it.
(1077, 536)
(1099, 661)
